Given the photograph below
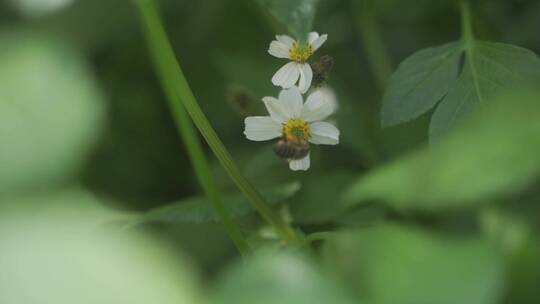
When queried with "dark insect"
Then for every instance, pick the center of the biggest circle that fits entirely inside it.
(321, 68)
(291, 149)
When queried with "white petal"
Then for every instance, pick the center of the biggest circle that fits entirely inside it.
(316, 44)
(259, 128)
(287, 75)
(317, 107)
(323, 133)
(287, 40)
(306, 75)
(330, 97)
(279, 110)
(278, 49)
(293, 100)
(312, 36)
(300, 164)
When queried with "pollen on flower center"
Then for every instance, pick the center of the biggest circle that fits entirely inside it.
(296, 129)
(300, 53)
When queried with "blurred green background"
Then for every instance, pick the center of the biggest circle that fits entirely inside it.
(83, 119)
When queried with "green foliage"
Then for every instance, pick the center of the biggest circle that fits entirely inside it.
(458, 76)
(490, 68)
(453, 223)
(283, 278)
(50, 112)
(495, 152)
(420, 82)
(198, 209)
(169, 68)
(400, 265)
(319, 203)
(524, 275)
(297, 15)
(55, 250)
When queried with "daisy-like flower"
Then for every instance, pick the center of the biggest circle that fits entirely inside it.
(299, 53)
(295, 122)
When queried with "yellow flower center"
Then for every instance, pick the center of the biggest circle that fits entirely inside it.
(296, 129)
(299, 52)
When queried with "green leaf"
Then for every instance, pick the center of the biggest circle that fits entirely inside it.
(524, 275)
(198, 210)
(458, 76)
(56, 250)
(400, 265)
(50, 112)
(494, 153)
(419, 83)
(297, 15)
(320, 202)
(283, 278)
(490, 68)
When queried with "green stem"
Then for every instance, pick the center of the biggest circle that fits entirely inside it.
(466, 23)
(162, 50)
(194, 149)
(469, 45)
(372, 41)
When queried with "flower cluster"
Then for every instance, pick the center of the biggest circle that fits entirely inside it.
(297, 123)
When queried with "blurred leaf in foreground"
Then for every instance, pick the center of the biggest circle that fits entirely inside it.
(50, 112)
(524, 275)
(37, 8)
(64, 204)
(399, 265)
(282, 278)
(55, 251)
(320, 202)
(494, 153)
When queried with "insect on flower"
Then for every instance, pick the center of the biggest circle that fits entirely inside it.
(298, 70)
(296, 123)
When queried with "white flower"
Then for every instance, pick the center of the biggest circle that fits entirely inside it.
(294, 121)
(298, 52)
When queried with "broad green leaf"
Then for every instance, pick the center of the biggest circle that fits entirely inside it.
(197, 209)
(50, 112)
(459, 76)
(297, 15)
(489, 69)
(282, 278)
(56, 250)
(494, 153)
(420, 82)
(400, 265)
(65, 204)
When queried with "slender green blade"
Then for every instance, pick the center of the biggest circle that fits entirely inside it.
(161, 48)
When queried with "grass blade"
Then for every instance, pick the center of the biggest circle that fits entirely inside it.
(169, 67)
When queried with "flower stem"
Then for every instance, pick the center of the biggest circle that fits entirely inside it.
(168, 66)
(372, 41)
